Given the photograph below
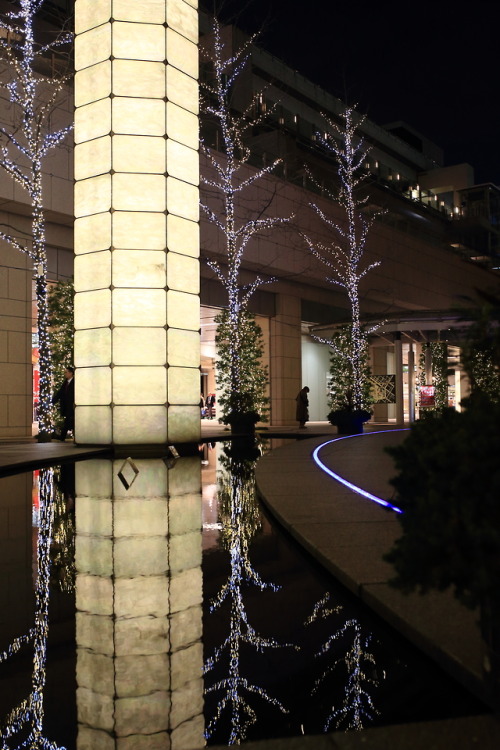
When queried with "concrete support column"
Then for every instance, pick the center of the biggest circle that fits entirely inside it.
(398, 366)
(137, 315)
(138, 599)
(379, 367)
(285, 365)
(428, 364)
(411, 382)
(458, 389)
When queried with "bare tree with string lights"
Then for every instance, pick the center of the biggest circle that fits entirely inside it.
(23, 146)
(229, 183)
(344, 253)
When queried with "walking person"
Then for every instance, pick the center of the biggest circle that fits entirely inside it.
(302, 410)
(210, 404)
(66, 398)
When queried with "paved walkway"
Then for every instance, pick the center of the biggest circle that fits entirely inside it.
(349, 534)
(25, 454)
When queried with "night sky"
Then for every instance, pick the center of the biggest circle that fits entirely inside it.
(434, 65)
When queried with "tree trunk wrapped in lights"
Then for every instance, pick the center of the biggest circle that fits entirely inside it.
(232, 178)
(24, 146)
(343, 255)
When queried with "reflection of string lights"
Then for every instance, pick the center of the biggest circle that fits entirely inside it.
(239, 514)
(29, 714)
(322, 611)
(357, 705)
(63, 540)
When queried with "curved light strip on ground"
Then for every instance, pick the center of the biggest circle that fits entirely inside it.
(345, 482)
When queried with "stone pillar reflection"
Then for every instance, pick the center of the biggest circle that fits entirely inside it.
(138, 597)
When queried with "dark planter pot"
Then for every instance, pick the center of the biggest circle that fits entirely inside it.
(349, 422)
(242, 425)
(244, 448)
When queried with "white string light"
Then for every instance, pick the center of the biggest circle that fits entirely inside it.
(28, 716)
(322, 610)
(357, 707)
(343, 255)
(34, 97)
(229, 184)
(241, 520)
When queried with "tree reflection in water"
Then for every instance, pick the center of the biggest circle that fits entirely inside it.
(24, 725)
(356, 708)
(240, 520)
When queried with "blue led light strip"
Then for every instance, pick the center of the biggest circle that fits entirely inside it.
(343, 481)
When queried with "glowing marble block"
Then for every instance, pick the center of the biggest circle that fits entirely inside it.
(136, 228)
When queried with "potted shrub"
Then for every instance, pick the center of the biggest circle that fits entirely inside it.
(350, 391)
(242, 416)
(349, 422)
(242, 400)
(348, 419)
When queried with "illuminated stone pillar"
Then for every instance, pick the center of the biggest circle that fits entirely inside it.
(138, 599)
(136, 229)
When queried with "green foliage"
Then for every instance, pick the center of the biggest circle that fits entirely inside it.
(481, 349)
(440, 373)
(439, 358)
(448, 488)
(449, 481)
(61, 334)
(341, 389)
(252, 374)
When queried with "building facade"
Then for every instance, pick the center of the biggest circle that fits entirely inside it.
(434, 247)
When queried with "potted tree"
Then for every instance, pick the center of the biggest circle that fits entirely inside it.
(344, 257)
(348, 412)
(242, 395)
(349, 421)
(242, 415)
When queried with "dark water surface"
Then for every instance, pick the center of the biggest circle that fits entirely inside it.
(284, 649)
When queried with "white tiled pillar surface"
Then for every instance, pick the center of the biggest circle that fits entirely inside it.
(138, 599)
(136, 231)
